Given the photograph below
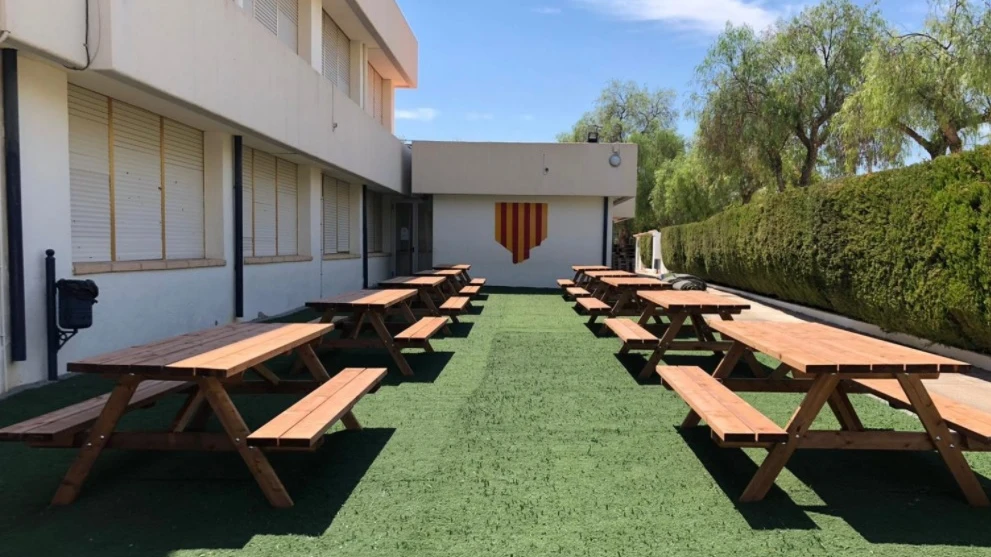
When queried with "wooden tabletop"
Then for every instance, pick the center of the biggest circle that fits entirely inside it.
(363, 299)
(413, 282)
(439, 273)
(692, 301)
(636, 282)
(817, 348)
(583, 268)
(457, 267)
(609, 273)
(219, 352)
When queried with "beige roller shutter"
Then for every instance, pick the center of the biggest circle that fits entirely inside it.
(184, 224)
(264, 205)
(288, 23)
(329, 215)
(137, 174)
(248, 200)
(343, 217)
(343, 62)
(267, 12)
(329, 48)
(89, 174)
(287, 186)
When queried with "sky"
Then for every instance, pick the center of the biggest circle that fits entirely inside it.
(525, 70)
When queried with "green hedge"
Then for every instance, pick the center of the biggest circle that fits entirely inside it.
(908, 250)
(646, 243)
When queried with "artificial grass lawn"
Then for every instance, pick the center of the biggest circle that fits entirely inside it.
(523, 435)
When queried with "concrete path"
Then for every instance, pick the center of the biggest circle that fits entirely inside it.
(972, 388)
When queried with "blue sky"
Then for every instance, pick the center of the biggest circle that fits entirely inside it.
(524, 70)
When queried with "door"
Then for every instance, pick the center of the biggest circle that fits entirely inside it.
(405, 235)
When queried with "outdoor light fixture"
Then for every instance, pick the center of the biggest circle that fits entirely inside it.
(615, 160)
(593, 136)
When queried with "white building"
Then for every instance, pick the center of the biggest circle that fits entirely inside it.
(128, 115)
(205, 161)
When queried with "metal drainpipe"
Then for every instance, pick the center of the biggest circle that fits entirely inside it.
(15, 229)
(238, 227)
(364, 236)
(605, 229)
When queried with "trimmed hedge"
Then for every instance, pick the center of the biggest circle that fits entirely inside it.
(908, 250)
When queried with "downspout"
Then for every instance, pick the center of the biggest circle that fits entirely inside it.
(364, 236)
(238, 227)
(605, 229)
(15, 229)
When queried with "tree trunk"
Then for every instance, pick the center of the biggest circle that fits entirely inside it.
(935, 149)
(809, 165)
(951, 135)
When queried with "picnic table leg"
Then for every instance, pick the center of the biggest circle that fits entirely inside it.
(388, 343)
(844, 411)
(648, 312)
(427, 301)
(748, 356)
(313, 363)
(677, 319)
(723, 370)
(822, 387)
(104, 426)
(923, 405)
(190, 408)
(327, 317)
(238, 432)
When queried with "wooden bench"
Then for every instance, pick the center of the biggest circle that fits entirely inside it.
(592, 307)
(303, 425)
(58, 428)
(732, 420)
(454, 306)
(565, 283)
(963, 418)
(418, 334)
(576, 292)
(633, 335)
(479, 282)
(470, 291)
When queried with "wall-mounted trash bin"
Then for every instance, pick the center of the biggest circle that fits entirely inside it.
(75, 303)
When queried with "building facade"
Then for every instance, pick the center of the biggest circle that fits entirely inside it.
(139, 124)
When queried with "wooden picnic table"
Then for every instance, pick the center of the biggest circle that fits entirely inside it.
(621, 292)
(827, 363)
(582, 269)
(207, 366)
(679, 306)
(453, 276)
(371, 306)
(592, 278)
(428, 289)
(462, 267)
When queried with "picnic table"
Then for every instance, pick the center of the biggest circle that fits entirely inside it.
(371, 306)
(207, 367)
(679, 307)
(588, 279)
(616, 295)
(826, 364)
(429, 289)
(452, 284)
(582, 269)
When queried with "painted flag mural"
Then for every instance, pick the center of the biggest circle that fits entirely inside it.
(520, 227)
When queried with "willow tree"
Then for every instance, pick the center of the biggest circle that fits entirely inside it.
(931, 88)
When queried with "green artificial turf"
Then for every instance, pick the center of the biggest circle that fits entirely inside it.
(524, 435)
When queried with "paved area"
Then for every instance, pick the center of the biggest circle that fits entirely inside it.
(972, 388)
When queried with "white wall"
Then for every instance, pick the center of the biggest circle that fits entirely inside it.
(464, 232)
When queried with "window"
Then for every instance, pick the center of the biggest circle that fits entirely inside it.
(336, 216)
(270, 188)
(135, 183)
(374, 104)
(336, 55)
(281, 17)
(374, 222)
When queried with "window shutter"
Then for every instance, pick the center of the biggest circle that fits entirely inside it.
(264, 191)
(343, 217)
(369, 88)
(374, 222)
(344, 62)
(137, 151)
(329, 215)
(329, 48)
(288, 23)
(248, 200)
(183, 191)
(267, 12)
(89, 174)
(287, 187)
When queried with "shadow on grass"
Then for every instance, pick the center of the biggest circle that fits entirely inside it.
(480, 298)
(427, 367)
(633, 362)
(475, 309)
(460, 330)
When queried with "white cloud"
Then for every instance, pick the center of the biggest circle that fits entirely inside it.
(709, 16)
(420, 114)
(546, 10)
(476, 116)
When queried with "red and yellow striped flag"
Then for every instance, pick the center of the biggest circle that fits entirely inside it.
(520, 227)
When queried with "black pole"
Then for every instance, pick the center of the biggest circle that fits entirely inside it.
(605, 228)
(51, 324)
(364, 236)
(15, 229)
(238, 227)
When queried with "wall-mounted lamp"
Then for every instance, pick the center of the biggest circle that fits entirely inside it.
(615, 160)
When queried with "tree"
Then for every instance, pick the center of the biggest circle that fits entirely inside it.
(931, 88)
(774, 95)
(629, 113)
(687, 191)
